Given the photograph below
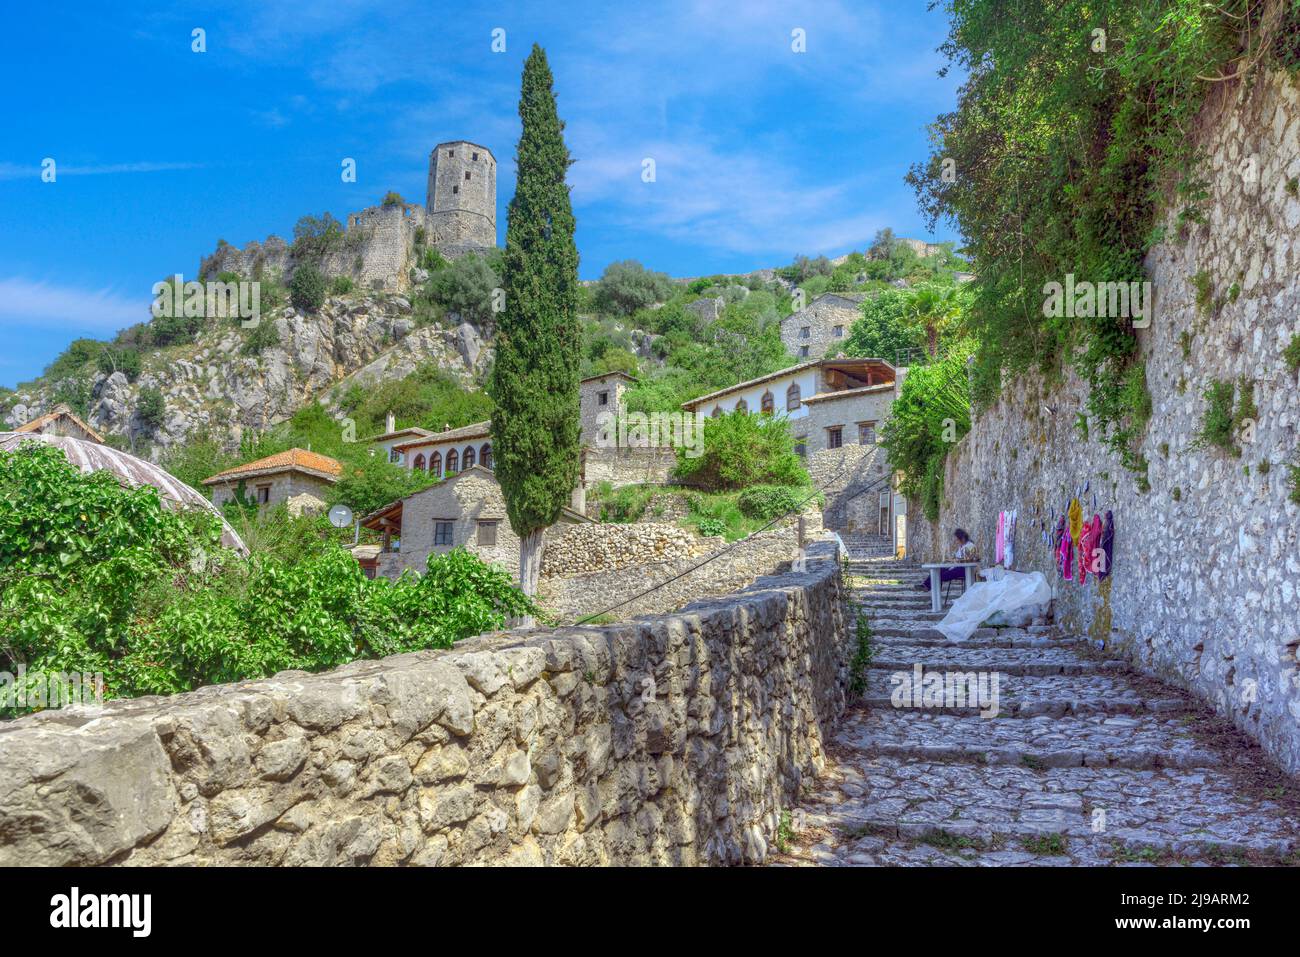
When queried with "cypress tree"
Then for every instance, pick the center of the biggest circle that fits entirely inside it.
(536, 428)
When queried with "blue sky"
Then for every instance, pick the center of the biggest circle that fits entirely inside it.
(761, 153)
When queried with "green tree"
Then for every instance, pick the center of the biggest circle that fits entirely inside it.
(151, 407)
(465, 286)
(741, 450)
(307, 288)
(124, 360)
(627, 286)
(534, 382)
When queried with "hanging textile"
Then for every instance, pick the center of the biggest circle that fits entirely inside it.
(1009, 541)
(997, 539)
(1107, 544)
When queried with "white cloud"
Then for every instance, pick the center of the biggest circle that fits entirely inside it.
(26, 303)
(33, 171)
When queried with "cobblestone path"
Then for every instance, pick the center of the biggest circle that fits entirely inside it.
(1085, 763)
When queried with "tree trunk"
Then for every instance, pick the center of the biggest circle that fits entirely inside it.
(530, 566)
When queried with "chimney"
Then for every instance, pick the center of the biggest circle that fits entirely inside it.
(390, 423)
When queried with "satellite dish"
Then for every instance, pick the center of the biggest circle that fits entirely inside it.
(340, 516)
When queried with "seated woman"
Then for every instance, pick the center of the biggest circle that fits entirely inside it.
(963, 551)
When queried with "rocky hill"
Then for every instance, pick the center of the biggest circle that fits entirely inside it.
(229, 379)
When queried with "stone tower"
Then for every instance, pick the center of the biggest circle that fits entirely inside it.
(461, 215)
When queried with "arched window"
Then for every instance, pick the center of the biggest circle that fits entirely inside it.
(468, 458)
(792, 397)
(717, 411)
(453, 462)
(485, 455)
(435, 464)
(418, 464)
(768, 403)
(742, 406)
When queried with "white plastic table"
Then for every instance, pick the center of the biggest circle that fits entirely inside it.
(936, 598)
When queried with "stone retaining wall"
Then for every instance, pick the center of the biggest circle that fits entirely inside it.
(1205, 589)
(672, 740)
(575, 596)
(607, 547)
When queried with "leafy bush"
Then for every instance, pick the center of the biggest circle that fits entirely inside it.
(712, 526)
(341, 286)
(741, 450)
(314, 237)
(97, 577)
(75, 393)
(261, 336)
(465, 286)
(124, 360)
(1216, 422)
(624, 504)
(151, 407)
(1084, 162)
(307, 288)
(931, 413)
(1291, 354)
(393, 198)
(767, 502)
(73, 359)
(627, 286)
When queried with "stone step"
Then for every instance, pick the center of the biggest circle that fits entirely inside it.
(894, 811)
(1025, 696)
(891, 635)
(958, 656)
(1126, 741)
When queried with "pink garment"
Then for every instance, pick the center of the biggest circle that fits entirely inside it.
(998, 538)
(1065, 556)
(1088, 544)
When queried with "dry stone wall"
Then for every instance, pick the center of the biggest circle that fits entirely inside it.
(608, 547)
(677, 582)
(1205, 589)
(671, 740)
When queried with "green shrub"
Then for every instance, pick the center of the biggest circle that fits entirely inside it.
(73, 359)
(151, 407)
(767, 502)
(261, 336)
(314, 237)
(123, 360)
(712, 526)
(393, 198)
(341, 286)
(75, 393)
(1217, 420)
(1291, 354)
(97, 577)
(1086, 154)
(307, 288)
(741, 450)
(627, 286)
(465, 286)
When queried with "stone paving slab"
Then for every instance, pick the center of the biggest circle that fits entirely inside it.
(898, 812)
(1101, 740)
(1021, 661)
(1030, 695)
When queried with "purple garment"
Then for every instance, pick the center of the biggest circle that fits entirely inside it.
(1108, 543)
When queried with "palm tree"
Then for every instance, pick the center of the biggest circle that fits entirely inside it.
(934, 308)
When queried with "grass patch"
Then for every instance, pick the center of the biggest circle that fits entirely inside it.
(1045, 845)
(862, 654)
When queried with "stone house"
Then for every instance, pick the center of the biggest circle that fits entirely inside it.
(821, 325)
(61, 420)
(297, 478)
(386, 442)
(447, 452)
(452, 450)
(836, 409)
(465, 510)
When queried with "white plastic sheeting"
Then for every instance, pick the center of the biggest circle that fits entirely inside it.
(1002, 593)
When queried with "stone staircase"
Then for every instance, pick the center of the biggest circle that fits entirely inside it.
(1085, 763)
(862, 545)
